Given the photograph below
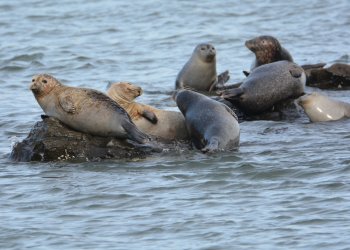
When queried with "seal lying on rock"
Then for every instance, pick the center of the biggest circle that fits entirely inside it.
(199, 73)
(267, 49)
(320, 108)
(212, 125)
(159, 123)
(267, 86)
(85, 110)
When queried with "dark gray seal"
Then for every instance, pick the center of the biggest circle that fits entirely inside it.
(212, 125)
(199, 73)
(85, 110)
(266, 86)
(267, 49)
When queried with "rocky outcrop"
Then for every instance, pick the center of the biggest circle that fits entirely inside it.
(50, 140)
(337, 76)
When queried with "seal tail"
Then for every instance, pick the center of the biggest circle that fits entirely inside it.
(134, 134)
(211, 147)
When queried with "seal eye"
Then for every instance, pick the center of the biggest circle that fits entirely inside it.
(33, 80)
(44, 81)
(203, 48)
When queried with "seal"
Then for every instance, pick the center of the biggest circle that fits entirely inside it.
(320, 108)
(85, 110)
(199, 73)
(212, 125)
(267, 49)
(162, 124)
(266, 86)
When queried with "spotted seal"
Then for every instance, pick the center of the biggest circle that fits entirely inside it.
(267, 49)
(212, 125)
(85, 110)
(199, 73)
(320, 108)
(267, 86)
(162, 124)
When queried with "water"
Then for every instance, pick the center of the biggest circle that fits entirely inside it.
(286, 188)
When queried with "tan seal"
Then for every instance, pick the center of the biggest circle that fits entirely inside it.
(199, 73)
(320, 108)
(159, 123)
(85, 110)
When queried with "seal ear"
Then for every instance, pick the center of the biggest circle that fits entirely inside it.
(295, 72)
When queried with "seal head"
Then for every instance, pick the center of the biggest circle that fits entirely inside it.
(267, 49)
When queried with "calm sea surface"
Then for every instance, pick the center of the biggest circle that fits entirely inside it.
(287, 187)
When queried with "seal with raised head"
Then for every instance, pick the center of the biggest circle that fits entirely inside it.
(164, 124)
(266, 86)
(85, 110)
(320, 108)
(267, 49)
(199, 73)
(212, 125)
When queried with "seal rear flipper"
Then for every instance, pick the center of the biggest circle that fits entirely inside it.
(223, 78)
(134, 134)
(212, 146)
(232, 93)
(149, 115)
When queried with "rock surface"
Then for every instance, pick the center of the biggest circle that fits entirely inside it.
(50, 140)
(337, 76)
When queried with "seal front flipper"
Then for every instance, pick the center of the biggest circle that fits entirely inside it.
(296, 72)
(134, 134)
(67, 104)
(232, 93)
(149, 115)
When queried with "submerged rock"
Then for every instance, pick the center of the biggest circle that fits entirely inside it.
(51, 140)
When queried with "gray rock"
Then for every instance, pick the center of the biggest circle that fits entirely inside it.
(51, 140)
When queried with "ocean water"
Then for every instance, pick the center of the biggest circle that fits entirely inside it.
(287, 187)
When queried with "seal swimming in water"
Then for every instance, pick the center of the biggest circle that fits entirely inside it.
(267, 86)
(85, 110)
(199, 73)
(320, 108)
(150, 120)
(267, 49)
(212, 125)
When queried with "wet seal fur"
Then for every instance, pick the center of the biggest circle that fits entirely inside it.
(162, 124)
(320, 108)
(199, 73)
(85, 110)
(212, 125)
(267, 49)
(267, 86)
